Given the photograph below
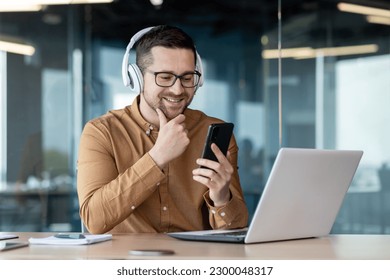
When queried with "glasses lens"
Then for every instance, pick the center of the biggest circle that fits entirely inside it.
(189, 80)
(165, 79)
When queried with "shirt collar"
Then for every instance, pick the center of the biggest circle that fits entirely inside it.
(136, 114)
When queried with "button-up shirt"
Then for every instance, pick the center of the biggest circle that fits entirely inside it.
(122, 190)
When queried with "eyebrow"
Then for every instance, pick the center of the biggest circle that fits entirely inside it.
(172, 72)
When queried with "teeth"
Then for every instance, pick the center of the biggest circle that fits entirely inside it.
(173, 100)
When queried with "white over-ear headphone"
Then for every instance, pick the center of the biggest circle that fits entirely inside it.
(132, 75)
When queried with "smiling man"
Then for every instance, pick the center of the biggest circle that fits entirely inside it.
(138, 167)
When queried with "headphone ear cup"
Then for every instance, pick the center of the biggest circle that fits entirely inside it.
(136, 84)
(199, 68)
(131, 74)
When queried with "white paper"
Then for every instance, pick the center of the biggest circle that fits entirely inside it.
(8, 236)
(52, 240)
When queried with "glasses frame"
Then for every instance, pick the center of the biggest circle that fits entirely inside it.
(197, 73)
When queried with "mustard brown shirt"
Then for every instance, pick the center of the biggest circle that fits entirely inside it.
(122, 190)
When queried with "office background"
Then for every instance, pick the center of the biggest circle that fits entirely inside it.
(287, 73)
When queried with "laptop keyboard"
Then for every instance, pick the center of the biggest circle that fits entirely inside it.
(234, 233)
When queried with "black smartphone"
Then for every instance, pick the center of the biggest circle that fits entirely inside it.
(157, 252)
(6, 245)
(220, 134)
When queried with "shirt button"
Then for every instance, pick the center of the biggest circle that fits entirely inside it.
(158, 184)
(165, 208)
(132, 207)
(223, 214)
(213, 211)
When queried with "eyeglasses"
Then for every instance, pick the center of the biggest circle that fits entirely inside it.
(167, 79)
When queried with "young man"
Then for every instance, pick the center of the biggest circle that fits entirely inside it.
(138, 167)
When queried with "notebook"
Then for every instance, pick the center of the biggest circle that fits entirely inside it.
(301, 199)
(8, 236)
(85, 240)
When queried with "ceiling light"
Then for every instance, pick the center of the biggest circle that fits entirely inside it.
(37, 5)
(12, 7)
(17, 48)
(308, 52)
(156, 2)
(364, 10)
(349, 50)
(54, 2)
(51, 19)
(378, 20)
(285, 53)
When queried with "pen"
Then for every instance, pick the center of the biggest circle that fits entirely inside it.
(70, 235)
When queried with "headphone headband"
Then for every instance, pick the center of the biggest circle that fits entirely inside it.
(131, 74)
(127, 79)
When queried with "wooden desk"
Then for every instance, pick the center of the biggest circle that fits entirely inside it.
(333, 247)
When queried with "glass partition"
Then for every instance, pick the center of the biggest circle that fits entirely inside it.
(37, 190)
(335, 66)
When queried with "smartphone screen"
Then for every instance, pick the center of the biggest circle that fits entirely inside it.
(6, 245)
(220, 134)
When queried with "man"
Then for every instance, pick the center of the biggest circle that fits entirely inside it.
(138, 167)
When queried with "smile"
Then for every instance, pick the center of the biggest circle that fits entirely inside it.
(173, 100)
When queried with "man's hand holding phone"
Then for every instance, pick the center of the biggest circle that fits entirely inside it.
(215, 170)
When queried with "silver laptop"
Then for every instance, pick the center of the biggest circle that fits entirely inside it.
(301, 198)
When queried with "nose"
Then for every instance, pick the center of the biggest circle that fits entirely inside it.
(177, 88)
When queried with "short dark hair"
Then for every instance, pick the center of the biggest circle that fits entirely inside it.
(163, 36)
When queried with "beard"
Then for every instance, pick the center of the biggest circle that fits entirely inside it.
(170, 110)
